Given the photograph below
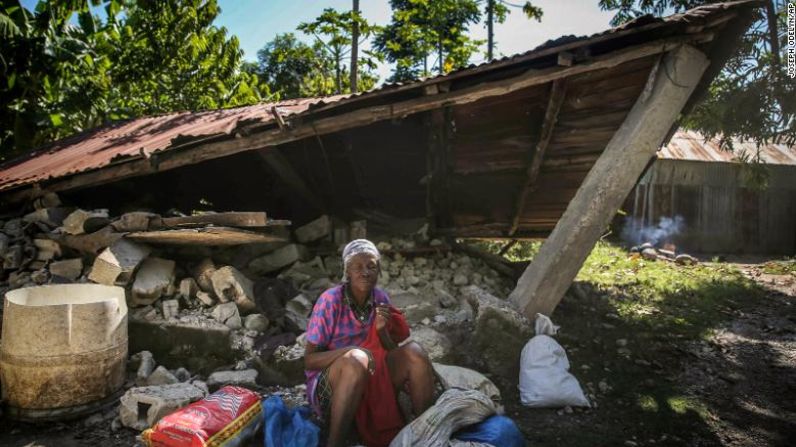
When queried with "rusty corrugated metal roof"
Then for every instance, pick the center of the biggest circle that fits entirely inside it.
(143, 136)
(691, 145)
(93, 150)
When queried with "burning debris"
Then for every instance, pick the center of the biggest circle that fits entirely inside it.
(654, 243)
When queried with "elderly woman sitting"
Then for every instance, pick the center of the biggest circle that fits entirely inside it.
(337, 367)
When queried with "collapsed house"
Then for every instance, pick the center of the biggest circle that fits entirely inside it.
(544, 144)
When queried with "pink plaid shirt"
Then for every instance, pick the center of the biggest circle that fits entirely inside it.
(333, 325)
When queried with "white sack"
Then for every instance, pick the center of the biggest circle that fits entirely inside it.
(544, 378)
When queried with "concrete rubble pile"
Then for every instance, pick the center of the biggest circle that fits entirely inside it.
(237, 315)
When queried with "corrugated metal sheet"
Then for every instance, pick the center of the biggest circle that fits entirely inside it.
(142, 136)
(99, 148)
(690, 145)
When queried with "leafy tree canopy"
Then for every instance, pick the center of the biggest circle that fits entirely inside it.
(149, 56)
(752, 98)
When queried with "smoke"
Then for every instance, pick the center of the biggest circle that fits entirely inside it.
(635, 232)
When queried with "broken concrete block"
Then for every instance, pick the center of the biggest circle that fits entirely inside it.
(80, 221)
(203, 272)
(201, 345)
(145, 367)
(39, 276)
(231, 285)
(256, 322)
(142, 407)
(500, 331)
(298, 310)
(68, 268)
(246, 378)
(170, 308)
(152, 279)
(188, 288)
(205, 298)
(116, 263)
(161, 376)
(228, 314)
(12, 259)
(134, 221)
(317, 229)
(468, 379)
(47, 249)
(358, 229)
(53, 217)
(278, 259)
(437, 345)
(13, 228)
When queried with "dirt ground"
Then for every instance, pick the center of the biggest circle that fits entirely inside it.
(651, 385)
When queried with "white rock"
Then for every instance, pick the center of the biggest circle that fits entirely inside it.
(161, 376)
(231, 285)
(246, 378)
(228, 314)
(256, 322)
(152, 280)
(317, 229)
(116, 263)
(140, 408)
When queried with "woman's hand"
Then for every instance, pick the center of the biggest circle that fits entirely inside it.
(382, 317)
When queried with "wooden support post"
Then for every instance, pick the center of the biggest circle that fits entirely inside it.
(284, 170)
(558, 91)
(547, 278)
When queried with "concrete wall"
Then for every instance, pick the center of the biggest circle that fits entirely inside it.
(720, 214)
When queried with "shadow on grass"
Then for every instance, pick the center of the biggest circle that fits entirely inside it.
(638, 336)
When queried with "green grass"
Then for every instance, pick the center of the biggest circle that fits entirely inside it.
(661, 310)
(782, 267)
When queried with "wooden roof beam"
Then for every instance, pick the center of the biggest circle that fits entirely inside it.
(558, 91)
(304, 126)
(546, 280)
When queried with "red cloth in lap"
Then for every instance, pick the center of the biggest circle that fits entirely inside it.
(378, 417)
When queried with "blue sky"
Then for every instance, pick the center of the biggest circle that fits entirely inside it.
(255, 22)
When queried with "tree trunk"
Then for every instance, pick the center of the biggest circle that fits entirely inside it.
(354, 47)
(441, 62)
(338, 76)
(490, 20)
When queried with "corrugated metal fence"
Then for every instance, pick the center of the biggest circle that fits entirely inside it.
(720, 214)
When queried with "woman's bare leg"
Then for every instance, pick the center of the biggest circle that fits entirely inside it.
(410, 364)
(348, 376)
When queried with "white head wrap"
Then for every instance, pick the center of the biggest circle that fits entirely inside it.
(355, 247)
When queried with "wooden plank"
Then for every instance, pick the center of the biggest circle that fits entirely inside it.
(553, 269)
(214, 236)
(227, 219)
(305, 126)
(558, 91)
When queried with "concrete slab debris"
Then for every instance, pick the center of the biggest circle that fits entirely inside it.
(206, 298)
(134, 221)
(116, 263)
(278, 259)
(142, 407)
(256, 322)
(246, 378)
(203, 272)
(81, 221)
(227, 313)
(67, 268)
(47, 249)
(317, 229)
(231, 285)
(161, 376)
(151, 281)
